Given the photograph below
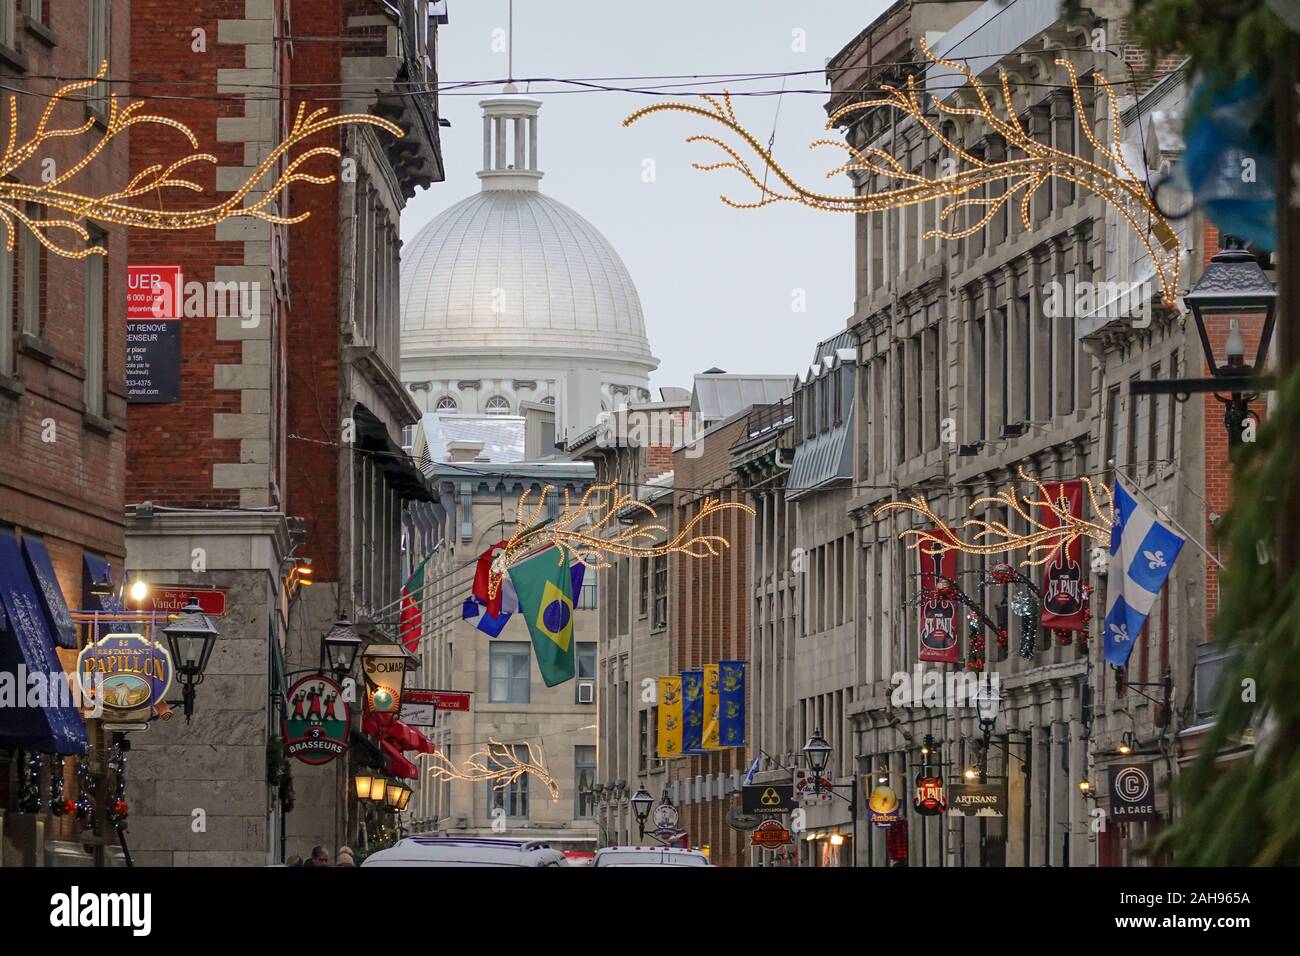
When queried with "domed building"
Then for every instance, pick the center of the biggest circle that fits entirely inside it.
(510, 297)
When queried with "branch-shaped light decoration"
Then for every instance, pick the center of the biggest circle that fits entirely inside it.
(1041, 542)
(1115, 183)
(499, 763)
(125, 207)
(583, 530)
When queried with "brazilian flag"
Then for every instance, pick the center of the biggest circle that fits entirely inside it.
(547, 588)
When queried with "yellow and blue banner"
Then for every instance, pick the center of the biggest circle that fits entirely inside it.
(692, 712)
(710, 737)
(731, 703)
(669, 731)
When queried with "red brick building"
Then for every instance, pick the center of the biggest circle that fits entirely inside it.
(63, 409)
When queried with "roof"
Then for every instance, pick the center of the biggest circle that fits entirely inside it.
(502, 435)
(722, 395)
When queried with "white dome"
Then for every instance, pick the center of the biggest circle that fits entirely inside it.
(511, 270)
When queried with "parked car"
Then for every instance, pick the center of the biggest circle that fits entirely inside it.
(649, 856)
(466, 851)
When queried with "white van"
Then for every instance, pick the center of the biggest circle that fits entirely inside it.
(466, 851)
(649, 856)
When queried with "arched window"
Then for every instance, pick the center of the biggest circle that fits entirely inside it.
(446, 404)
(496, 405)
(549, 400)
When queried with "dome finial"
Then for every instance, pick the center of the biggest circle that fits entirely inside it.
(510, 141)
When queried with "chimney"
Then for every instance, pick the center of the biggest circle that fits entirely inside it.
(462, 451)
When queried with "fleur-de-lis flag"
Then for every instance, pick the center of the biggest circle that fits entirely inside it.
(669, 730)
(1142, 553)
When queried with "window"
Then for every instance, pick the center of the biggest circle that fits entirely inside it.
(643, 589)
(586, 660)
(36, 10)
(7, 330)
(93, 386)
(659, 619)
(496, 405)
(1172, 424)
(7, 24)
(97, 52)
(511, 797)
(1112, 424)
(446, 404)
(549, 400)
(584, 781)
(1131, 438)
(509, 672)
(30, 250)
(1156, 423)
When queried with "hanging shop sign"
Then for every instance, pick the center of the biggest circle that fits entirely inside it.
(1062, 589)
(771, 835)
(316, 720)
(131, 672)
(884, 806)
(385, 670)
(939, 612)
(665, 817)
(1132, 791)
(929, 800)
(807, 788)
(977, 800)
(767, 798)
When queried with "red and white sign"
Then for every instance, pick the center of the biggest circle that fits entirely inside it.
(1063, 580)
(939, 615)
(153, 292)
(173, 600)
(420, 707)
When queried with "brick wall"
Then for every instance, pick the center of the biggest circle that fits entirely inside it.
(710, 620)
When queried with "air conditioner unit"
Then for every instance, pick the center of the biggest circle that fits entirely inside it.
(586, 691)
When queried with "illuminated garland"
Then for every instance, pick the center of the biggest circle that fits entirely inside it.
(498, 763)
(117, 208)
(1040, 542)
(29, 794)
(1041, 163)
(578, 528)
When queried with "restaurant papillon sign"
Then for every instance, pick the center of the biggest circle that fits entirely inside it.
(129, 672)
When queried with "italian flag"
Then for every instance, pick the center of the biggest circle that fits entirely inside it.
(410, 623)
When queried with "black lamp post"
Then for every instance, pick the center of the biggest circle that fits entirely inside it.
(340, 647)
(817, 751)
(641, 802)
(1233, 284)
(191, 639)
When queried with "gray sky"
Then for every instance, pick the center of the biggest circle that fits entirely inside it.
(718, 285)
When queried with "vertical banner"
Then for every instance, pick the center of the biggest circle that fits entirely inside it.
(711, 708)
(670, 717)
(1063, 575)
(692, 712)
(939, 611)
(731, 703)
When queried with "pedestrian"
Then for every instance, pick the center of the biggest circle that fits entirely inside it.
(293, 861)
(319, 856)
(344, 857)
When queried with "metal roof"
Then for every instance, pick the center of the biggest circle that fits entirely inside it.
(502, 435)
(718, 396)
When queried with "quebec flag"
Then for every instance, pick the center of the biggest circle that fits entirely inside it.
(1142, 553)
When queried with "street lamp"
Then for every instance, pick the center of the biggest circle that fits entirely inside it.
(641, 803)
(361, 783)
(191, 638)
(340, 647)
(1233, 285)
(1125, 744)
(378, 789)
(1085, 786)
(818, 752)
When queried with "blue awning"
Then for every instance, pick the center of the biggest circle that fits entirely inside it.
(26, 642)
(98, 593)
(57, 617)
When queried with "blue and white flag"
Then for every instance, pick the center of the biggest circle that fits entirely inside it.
(475, 611)
(1142, 553)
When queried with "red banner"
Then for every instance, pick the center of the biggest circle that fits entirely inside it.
(1063, 575)
(940, 612)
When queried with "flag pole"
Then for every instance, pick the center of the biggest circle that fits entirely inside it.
(1173, 521)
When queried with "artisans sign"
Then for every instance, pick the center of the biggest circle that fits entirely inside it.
(977, 799)
(130, 672)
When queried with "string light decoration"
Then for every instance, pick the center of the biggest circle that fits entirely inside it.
(84, 806)
(500, 763)
(117, 806)
(1040, 542)
(122, 207)
(29, 794)
(58, 802)
(1026, 603)
(1116, 185)
(578, 529)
